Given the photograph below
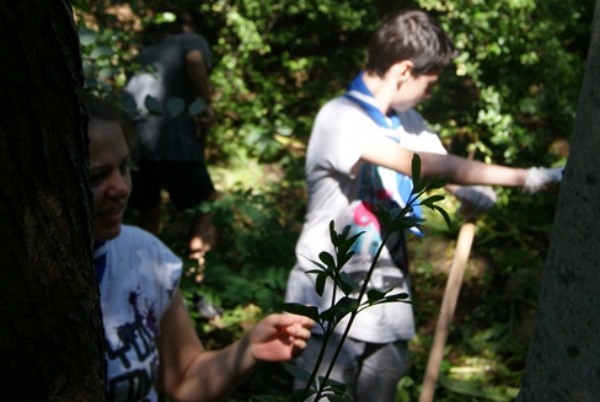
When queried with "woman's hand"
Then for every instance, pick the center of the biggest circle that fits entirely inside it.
(279, 337)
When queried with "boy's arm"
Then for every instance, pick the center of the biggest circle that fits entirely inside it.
(456, 170)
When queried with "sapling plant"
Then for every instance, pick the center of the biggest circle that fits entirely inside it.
(349, 297)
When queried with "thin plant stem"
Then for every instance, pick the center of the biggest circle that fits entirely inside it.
(353, 314)
(326, 336)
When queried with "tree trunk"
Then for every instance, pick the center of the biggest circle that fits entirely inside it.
(564, 359)
(51, 337)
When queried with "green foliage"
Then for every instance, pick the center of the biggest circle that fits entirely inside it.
(245, 268)
(510, 98)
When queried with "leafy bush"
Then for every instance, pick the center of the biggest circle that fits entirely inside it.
(510, 98)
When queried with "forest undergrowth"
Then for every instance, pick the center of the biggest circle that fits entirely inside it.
(245, 274)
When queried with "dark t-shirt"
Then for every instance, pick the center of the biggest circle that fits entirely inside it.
(163, 76)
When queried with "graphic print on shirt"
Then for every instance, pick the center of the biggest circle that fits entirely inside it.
(135, 345)
(372, 194)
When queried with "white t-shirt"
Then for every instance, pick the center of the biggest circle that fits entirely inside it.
(138, 276)
(336, 191)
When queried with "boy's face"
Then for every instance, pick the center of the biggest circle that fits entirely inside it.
(412, 91)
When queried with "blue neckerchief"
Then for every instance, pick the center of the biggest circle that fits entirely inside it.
(362, 96)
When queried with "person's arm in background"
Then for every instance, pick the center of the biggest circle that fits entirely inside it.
(474, 200)
(456, 170)
(198, 77)
(198, 74)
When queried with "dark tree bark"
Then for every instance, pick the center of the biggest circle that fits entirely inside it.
(563, 364)
(51, 337)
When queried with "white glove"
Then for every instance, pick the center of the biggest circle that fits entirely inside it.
(539, 178)
(474, 200)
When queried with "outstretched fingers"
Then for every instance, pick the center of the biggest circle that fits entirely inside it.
(280, 337)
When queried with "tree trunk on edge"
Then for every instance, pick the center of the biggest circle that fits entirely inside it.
(51, 337)
(563, 364)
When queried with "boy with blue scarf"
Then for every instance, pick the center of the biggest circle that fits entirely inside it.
(359, 152)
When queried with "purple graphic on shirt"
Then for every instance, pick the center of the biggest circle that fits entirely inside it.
(136, 345)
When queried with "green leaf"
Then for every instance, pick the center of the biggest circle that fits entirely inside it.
(345, 232)
(297, 372)
(444, 214)
(384, 217)
(347, 244)
(320, 283)
(175, 106)
(87, 37)
(107, 72)
(307, 311)
(101, 51)
(318, 264)
(152, 105)
(374, 295)
(416, 169)
(436, 183)
(164, 17)
(333, 234)
(343, 307)
(343, 259)
(346, 283)
(338, 387)
(397, 297)
(327, 259)
(432, 199)
(402, 223)
(197, 107)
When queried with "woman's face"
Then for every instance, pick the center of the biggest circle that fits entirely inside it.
(110, 181)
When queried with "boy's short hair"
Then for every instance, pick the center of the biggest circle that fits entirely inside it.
(410, 35)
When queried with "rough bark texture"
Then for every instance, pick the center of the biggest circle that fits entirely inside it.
(564, 358)
(51, 338)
